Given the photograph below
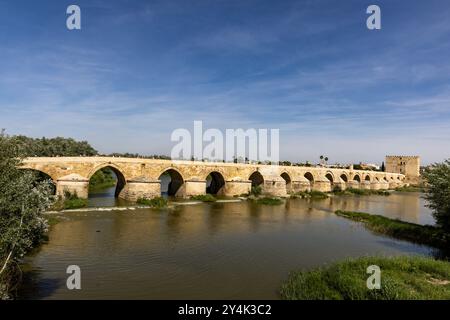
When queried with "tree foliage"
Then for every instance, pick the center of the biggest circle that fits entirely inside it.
(22, 202)
(52, 147)
(437, 192)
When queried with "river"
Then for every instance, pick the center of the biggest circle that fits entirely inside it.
(232, 250)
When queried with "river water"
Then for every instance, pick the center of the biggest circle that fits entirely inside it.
(232, 250)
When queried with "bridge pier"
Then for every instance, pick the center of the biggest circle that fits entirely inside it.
(135, 189)
(192, 188)
(393, 185)
(300, 186)
(339, 185)
(384, 185)
(365, 185)
(236, 188)
(79, 187)
(322, 185)
(353, 184)
(375, 185)
(274, 186)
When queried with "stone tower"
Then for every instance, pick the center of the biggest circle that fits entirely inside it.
(407, 165)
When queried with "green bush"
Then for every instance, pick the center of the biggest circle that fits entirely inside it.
(256, 191)
(362, 192)
(409, 189)
(309, 195)
(23, 200)
(158, 202)
(75, 203)
(204, 197)
(438, 192)
(428, 235)
(269, 201)
(402, 278)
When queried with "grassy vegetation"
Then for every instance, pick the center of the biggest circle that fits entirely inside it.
(270, 201)
(158, 202)
(70, 201)
(204, 197)
(310, 195)
(428, 235)
(361, 192)
(256, 191)
(401, 278)
(410, 189)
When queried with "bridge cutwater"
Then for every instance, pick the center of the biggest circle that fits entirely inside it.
(141, 177)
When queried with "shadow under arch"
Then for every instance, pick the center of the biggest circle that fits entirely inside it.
(171, 181)
(256, 178)
(214, 182)
(309, 176)
(288, 180)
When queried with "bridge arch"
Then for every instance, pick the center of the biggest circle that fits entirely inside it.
(357, 178)
(310, 177)
(329, 175)
(367, 178)
(171, 181)
(256, 178)
(215, 181)
(41, 176)
(120, 177)
(288, 180)
(344, 177)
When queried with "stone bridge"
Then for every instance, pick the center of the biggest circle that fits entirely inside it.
(142, 177)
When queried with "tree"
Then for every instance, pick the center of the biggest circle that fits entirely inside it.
(437, 192)
(44, 147)
(22, 202)
(383, 168)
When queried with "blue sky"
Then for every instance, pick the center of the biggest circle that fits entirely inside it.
(140, 69)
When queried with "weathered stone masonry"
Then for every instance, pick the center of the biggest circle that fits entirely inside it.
(141, 177)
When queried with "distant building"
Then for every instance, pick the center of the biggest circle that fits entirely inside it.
(407, 165)
(370, 166)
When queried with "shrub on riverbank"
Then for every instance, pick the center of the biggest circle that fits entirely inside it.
(401, 278)
(361, 192)
(309, 195)
(70, 201)
(409, 189)
(23, 200)
(428, 235)
(204, 197)
(271, 201)
(256, 191)
(438, 192)
(158, 202)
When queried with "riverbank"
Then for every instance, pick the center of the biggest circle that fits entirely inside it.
(426, 235)
(403, 278)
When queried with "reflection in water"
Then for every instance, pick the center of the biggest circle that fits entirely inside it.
(211, 251)
(105, 198)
